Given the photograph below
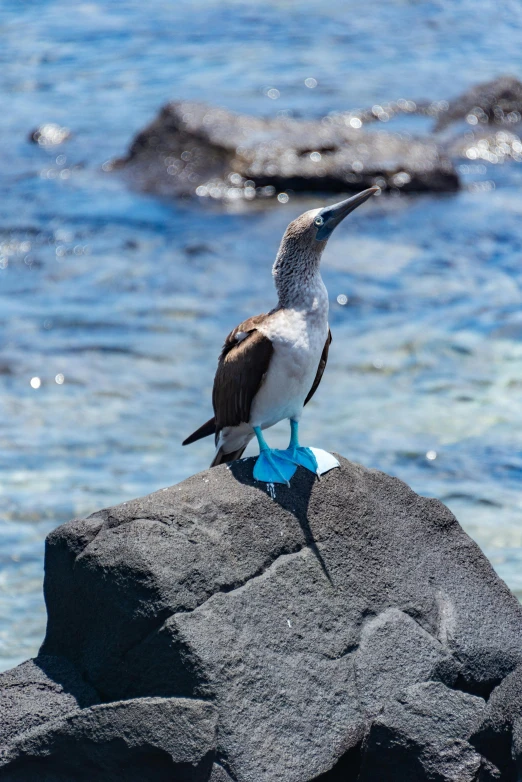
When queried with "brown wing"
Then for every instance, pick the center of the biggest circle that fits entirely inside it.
(320, 368)
(242, 365)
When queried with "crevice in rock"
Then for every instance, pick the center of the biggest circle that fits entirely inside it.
(110, 522)
(496, 747)
(260, 573)
(349, 649)
(346, 769)
(423, 621)
(176, 671)
(101, 695)
(87, 760)
(81, 551)
(481, 689)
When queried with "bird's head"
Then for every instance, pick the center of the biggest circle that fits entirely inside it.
(314, 228)
(305, 239)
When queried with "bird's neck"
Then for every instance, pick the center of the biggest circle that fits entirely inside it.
(298, 279)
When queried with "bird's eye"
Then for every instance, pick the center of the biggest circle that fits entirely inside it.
(319, 221)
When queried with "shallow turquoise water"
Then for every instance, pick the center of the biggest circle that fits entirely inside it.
(129, 297)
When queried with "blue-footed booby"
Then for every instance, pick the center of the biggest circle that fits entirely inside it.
(271, 365)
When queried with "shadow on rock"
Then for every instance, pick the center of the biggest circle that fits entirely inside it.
(295, 499)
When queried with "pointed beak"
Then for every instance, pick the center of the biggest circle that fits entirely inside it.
(333, 215)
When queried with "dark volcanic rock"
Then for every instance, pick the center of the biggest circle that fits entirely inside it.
(500, 735)
(192, 147)
(149, 739)
(498, 101)
(395, 651)
(345, 629)
(299, 617)
(422, 734)
(40, 690)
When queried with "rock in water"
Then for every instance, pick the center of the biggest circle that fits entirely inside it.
(498, 101)
(314, 631)
(194, 148)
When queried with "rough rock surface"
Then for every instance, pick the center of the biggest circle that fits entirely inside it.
(394, 651)
(500, 734)
(423, 734)
(33, 691)
(192, 147)
(136, 740)
(320, 628)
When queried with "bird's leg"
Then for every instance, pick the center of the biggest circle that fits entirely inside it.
(294, 434)
(298, 453)
(272, 466)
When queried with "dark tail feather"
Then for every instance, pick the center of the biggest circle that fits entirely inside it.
(203, 431)
(224, 458)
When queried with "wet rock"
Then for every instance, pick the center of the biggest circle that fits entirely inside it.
(498, 101)
(281, 611)
(485, 146)
(194, 148)
(49, 135)
(422, 734)
(390, 110)
(145, 740)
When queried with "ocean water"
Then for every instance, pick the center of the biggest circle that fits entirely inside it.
(114, 303)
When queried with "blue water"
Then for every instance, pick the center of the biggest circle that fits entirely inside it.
(129, 297)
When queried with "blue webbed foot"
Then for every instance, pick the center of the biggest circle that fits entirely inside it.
(274, 467)
(301, 455)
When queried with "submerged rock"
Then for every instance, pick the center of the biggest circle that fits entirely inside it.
(346, 629)
(49, 135)
(194, 148)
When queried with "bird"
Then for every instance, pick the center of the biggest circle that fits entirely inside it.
(271, 365)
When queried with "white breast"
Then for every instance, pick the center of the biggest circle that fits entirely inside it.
(298, 337)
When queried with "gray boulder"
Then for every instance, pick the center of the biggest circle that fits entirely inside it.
(318, 626)
(194, 148)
